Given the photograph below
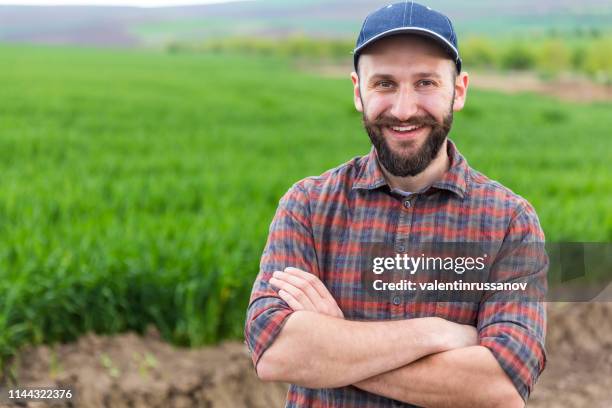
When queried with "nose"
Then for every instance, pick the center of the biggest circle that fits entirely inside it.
(405, 105)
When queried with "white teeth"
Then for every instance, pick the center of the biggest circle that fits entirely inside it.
(405, 128)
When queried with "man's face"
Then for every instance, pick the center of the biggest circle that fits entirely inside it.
(407, 90)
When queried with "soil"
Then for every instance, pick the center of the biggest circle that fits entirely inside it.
(579, 367)
(565, 87)
(142, 371)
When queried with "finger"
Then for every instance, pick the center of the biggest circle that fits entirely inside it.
(301, 283)
(312, 280)
(309, 279)
(293, 304)
(329, 305)
(295, 292)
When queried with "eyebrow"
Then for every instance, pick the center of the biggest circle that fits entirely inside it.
(424, 74)
(428, 75)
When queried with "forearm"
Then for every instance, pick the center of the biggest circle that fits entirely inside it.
(465, 377)
(318, 351)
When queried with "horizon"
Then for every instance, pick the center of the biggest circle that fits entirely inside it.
(114, 3)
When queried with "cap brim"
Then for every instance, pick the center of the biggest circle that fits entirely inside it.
(449, 47)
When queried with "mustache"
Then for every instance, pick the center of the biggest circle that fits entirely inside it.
(425, 120)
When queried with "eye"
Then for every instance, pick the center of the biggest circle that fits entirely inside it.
(426, 83)
(384, 84)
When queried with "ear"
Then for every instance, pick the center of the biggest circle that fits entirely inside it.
(356, 92)
(461, 86)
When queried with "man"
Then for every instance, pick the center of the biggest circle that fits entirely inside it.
(311, 323)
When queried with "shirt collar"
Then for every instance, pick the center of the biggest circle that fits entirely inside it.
(454, 180)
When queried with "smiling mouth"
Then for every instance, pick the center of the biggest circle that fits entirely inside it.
(404, 132)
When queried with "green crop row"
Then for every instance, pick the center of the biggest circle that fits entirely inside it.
(550, 55)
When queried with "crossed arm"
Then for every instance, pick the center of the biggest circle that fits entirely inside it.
(426, 361)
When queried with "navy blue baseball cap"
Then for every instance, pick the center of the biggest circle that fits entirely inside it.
(408, 17)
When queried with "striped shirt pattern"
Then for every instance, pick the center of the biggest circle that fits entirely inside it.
(321, 223)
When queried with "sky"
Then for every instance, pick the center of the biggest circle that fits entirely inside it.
(139, 3)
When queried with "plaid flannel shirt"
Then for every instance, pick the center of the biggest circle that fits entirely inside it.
(320, 223)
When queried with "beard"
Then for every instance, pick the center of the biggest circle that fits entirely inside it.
(408, 164)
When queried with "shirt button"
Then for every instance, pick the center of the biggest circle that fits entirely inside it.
(397, 300)
(407, 203)
(401, 248)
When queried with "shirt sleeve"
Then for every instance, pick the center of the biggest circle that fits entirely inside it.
(290, 244)
(512, 326)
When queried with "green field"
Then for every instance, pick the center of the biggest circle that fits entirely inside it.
(137, 187)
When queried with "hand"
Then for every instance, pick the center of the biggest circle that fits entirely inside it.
(304, 291)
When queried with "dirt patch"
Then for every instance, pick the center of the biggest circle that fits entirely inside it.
(134, 371)
(579, 369)
(566, 87)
